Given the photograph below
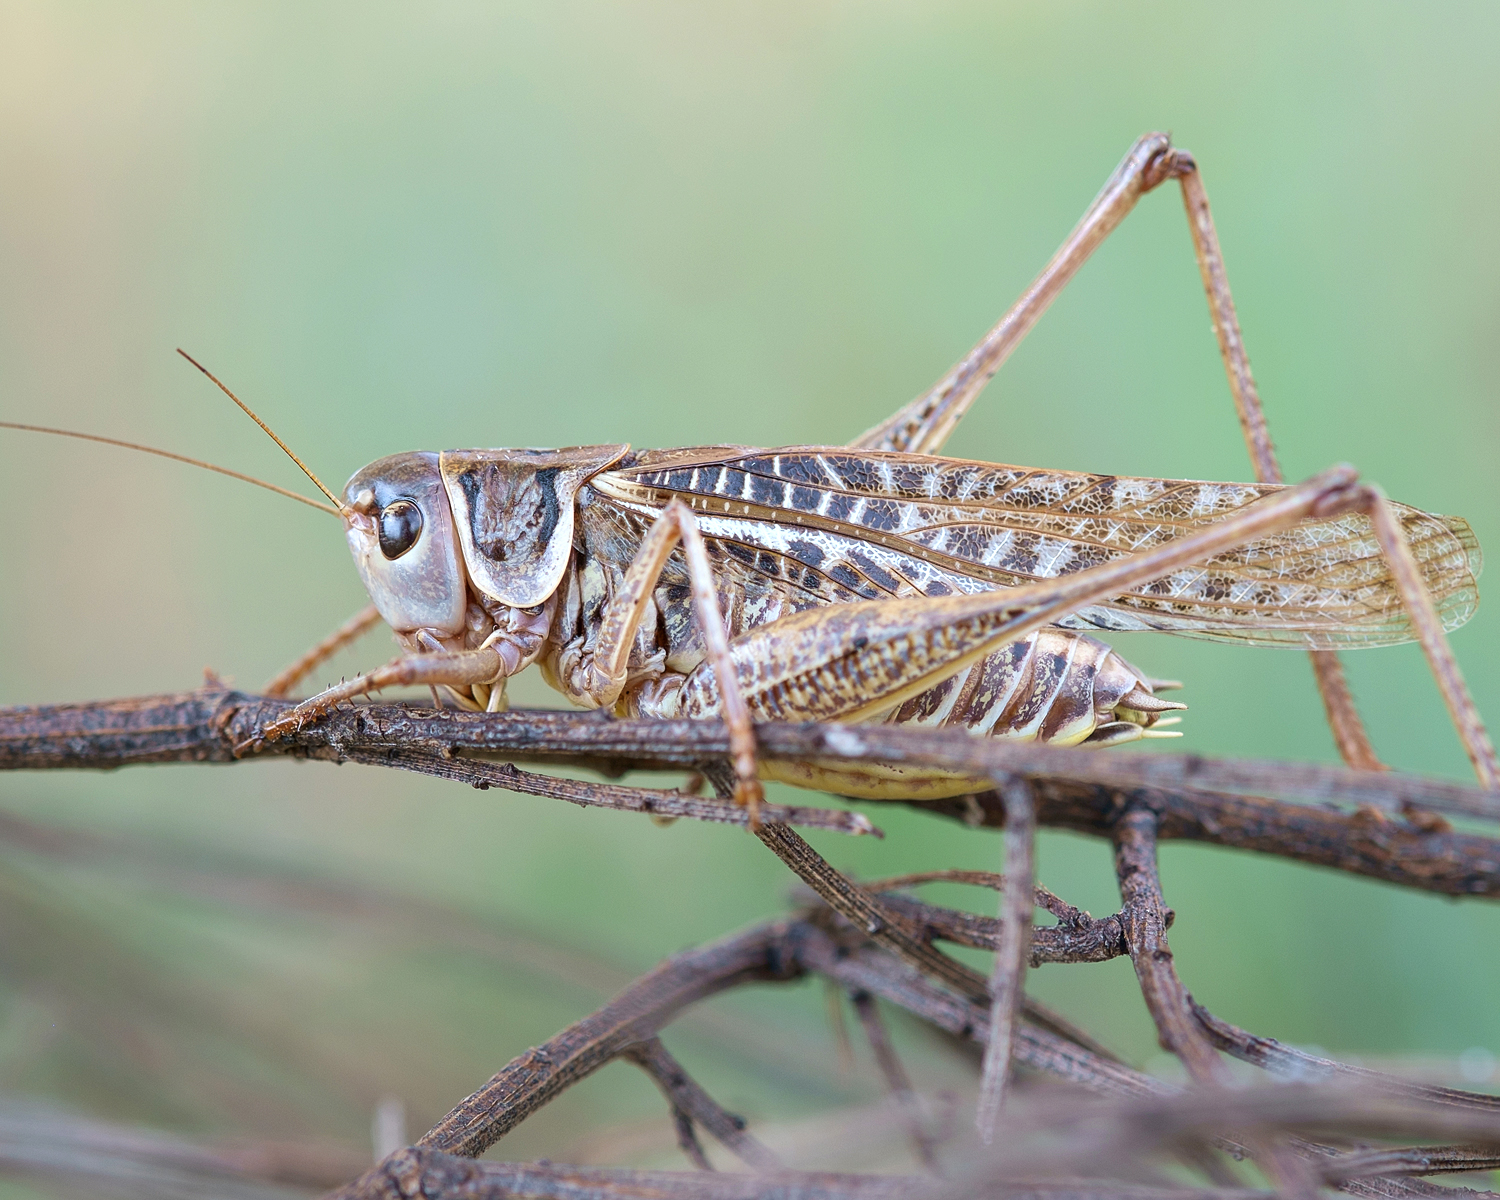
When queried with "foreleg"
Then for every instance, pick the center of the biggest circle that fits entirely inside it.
(462, 668)
(355, 627)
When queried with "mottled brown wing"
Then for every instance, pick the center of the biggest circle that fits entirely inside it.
(834, 524)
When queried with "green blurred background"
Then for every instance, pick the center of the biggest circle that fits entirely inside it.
(669, 224)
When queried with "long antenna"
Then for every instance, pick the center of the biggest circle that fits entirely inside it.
(194, 462)
(249, 412)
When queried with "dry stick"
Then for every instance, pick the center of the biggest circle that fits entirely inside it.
(776, 952)
(896, 1078)
(1084, 1132)
(687, 1139)
(1410, 1160)
(874, 919)
(1144, 921)
(873, 971)
(634, 1015)
(1083, 939)
(1287, 1061)
(1434, 859)
(434, 1176)
(203, 726)
(871, 916)
(1349, 732)
(431, 1175)
(1075, 789)
(656, 802)
(868, 914)
(1077, 937)
(1008, 978)
(528, 734)
(1145, 926)
(690, 1103)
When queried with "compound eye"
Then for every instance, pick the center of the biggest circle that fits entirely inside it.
(400, 526)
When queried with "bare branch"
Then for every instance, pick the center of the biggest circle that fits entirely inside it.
(1144, 919)
(1409, 1160)
(436, 1176)
(896, 1078)
(871, 970)
(1082, 940)
(529, 1081)
(694, 1104)
(657, 803)
(876, 943)
(1291, 1063)
(867, 913)
(433, 1175)
(1008, 979)
(1080, 790)
(687, 1140)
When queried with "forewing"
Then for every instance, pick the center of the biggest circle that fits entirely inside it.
(837, 524)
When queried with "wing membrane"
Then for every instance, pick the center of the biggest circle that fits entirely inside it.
(830, 524)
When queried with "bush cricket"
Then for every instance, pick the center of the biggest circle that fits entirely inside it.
(880, 582)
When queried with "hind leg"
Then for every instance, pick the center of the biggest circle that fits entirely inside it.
(923, 425)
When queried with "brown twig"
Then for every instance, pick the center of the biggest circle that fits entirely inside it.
(634, 1015)
(1291, 1063)
(657, 803)
(784, 950)
(1079, 790)
(867, 913)
(1008, 978)
(690, 1103)
(1144, 921)
(1077, 936)
(1037, 1048)
(896, 1079)
(885, 949)
(1083, 940)
(432, 1175)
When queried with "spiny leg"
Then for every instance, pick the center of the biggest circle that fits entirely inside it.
(1428, 627)
(462, 668)
(1349, 733)
(923, 425)
(352, 629)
